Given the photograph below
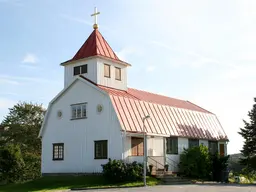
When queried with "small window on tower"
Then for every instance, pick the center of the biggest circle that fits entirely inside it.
(84, 69)
(76, 70)
(118, 73)
(106, 70)
(80, 70)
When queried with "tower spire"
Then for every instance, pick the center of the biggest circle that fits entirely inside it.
(95, 15)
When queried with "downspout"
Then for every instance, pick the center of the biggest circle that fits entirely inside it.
(123, 143)
(164, 143)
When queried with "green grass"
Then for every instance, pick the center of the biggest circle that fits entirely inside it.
(54, 183)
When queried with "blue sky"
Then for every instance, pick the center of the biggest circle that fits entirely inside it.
(202, 51)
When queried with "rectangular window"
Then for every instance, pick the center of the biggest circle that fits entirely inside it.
(101, 149)
(106, 70)
(80, 69)
(58, 151)
(137, 145)
(222, 150)
(213, 147)
(193, 143)
(118, 73)
(172, 145)
(78, 111)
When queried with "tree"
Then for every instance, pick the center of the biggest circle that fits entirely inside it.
(21, 128)
(249, 135)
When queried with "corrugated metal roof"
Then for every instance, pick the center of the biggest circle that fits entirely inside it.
(95, 45)
(168, 116)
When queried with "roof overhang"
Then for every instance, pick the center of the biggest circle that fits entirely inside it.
(69, 62)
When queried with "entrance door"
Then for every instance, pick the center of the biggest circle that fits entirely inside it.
(137, 146)
(222, 150)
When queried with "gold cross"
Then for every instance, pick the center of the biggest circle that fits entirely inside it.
(95, 14)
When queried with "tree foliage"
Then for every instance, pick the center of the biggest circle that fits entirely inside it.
(21, 128)
(249, 135)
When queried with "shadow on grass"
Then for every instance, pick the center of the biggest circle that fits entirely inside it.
(52, 183)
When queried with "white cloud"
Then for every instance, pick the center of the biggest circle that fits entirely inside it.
(30, 58)
(6, 103)
(242, 71)
(71, 18)
(28, 79)
(150, 68)
(8, 81)
(12, 2)
(30, 66)
(127, 51)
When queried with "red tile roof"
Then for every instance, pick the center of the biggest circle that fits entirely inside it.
(168, 116)
(95, 45)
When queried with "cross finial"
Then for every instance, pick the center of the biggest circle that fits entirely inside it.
(95, 25)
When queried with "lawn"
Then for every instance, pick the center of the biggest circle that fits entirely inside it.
(52, 183)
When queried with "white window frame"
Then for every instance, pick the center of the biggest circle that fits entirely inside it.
(75, 108)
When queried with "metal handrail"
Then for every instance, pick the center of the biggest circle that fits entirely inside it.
(176, 164)
(156, 161)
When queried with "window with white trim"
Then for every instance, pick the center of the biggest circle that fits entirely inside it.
(107, 70)
(118, 73)
(172, 145)
(78, 111)
(80, 69)
(58, 151)
(193, 143)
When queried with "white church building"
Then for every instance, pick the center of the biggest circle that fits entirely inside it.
(96, 117)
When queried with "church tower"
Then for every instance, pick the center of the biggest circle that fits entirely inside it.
(96, 61)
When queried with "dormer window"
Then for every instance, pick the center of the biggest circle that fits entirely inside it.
(118, 73)
(106, 70)
(78, 70)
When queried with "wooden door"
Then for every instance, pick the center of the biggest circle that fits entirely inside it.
(222, 150)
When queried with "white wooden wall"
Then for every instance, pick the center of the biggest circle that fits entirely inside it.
(78, 136)
(111, 82)
(95, 72)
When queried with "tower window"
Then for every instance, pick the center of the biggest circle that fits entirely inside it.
(80, 69)
(118, 73)
(106, 70)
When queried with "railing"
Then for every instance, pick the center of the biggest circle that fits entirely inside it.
(155, 163)
(174, 166)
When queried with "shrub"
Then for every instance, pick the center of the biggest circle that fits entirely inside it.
(219, 167)
(11, 164)
(195, 162)
(118, 171)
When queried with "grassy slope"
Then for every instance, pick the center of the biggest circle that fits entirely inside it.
(53, 183)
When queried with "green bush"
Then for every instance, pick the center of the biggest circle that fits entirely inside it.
(118, 171)
(32, 169)
(195, 162)
(198, 163)
(11, 164)
(219, 166)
